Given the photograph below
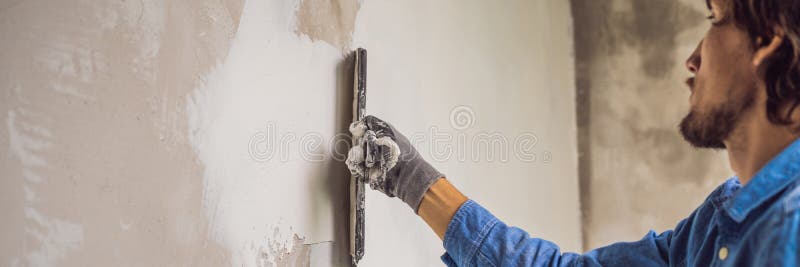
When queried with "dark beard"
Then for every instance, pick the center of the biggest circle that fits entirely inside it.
(711, 130)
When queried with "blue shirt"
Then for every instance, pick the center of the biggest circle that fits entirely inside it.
(754, 225)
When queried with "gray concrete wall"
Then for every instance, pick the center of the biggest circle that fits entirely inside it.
(97, 167)
(636, 172)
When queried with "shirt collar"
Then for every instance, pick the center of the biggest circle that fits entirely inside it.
(779, 173)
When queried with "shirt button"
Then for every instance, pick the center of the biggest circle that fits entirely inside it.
(723, 253)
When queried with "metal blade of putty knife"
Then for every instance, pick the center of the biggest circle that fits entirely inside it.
(357, 183)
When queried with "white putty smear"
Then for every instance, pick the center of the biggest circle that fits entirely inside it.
(246, 194)
(356, 161)
(357, 129)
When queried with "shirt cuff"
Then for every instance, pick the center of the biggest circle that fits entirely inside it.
(466, 232)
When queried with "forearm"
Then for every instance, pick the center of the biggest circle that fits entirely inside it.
(479, 238)
(474, 237)
(439, 204)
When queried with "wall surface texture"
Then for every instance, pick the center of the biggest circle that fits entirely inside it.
(204, 133)
(636, 172)
(454, 75)
(97, 166)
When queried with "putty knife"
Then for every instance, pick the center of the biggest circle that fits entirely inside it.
(356, 183)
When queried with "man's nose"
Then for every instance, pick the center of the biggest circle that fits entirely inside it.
(693, 62)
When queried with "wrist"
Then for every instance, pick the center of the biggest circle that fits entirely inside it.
(439, 204)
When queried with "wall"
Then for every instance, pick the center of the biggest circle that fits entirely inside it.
(97, 167)
(477, 71)
(636, 172)
(204, 132)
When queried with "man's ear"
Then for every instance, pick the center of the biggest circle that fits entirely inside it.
(766, 49)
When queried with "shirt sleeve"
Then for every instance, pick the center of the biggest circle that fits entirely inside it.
(475, 237)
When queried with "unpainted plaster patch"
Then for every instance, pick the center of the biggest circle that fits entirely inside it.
(57, 238)
(92, 160)
(234, 8)
(331, 21)
(51, 239)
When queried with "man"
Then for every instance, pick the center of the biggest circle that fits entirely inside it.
(744, 98)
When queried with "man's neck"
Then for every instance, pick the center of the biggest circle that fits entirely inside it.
(754, 144)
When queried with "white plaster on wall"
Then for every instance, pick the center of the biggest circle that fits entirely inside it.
(271, 76)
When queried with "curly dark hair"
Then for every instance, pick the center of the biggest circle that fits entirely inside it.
(781, 71)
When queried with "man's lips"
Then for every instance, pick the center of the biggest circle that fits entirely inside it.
(690, 83)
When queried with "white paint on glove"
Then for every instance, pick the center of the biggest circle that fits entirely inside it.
(379, 165)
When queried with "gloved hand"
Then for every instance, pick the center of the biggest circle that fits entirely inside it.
(384, 158)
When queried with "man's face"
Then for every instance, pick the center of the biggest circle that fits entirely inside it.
(724, 86)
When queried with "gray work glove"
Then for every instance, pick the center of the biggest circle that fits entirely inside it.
(384, 158)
